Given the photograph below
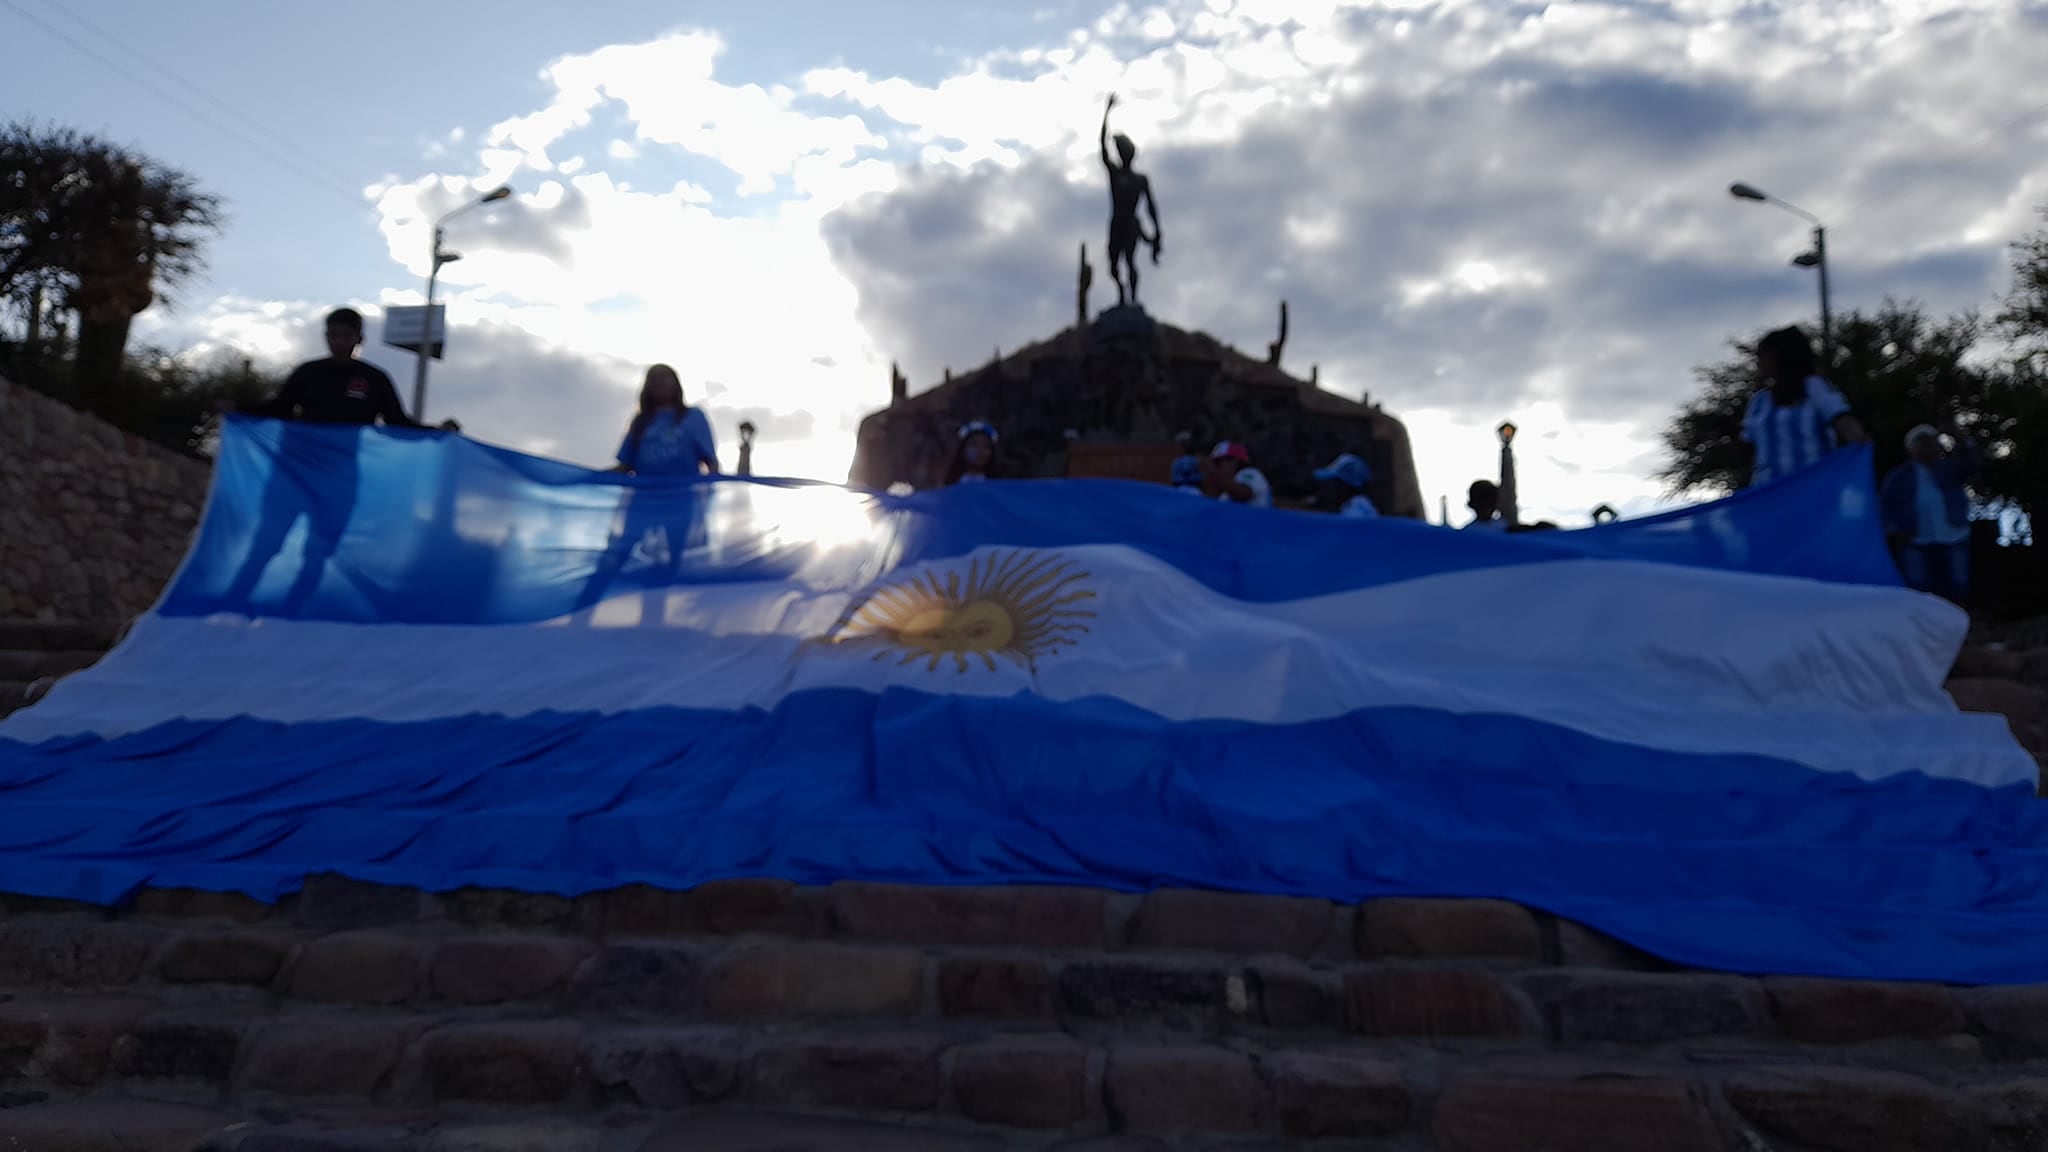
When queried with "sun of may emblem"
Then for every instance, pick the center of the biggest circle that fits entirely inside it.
(1020, 606)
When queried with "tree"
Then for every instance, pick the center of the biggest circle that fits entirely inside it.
(103, 229)
(1896, 367)
(174, 400)
(2021, 399)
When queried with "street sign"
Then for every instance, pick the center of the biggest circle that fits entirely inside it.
(411, 325)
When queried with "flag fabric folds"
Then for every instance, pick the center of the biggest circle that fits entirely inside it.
(1718, 734)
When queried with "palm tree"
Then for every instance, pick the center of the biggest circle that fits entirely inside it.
(116, 229)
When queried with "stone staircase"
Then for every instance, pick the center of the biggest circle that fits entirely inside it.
(35, 654)
(756, 1014)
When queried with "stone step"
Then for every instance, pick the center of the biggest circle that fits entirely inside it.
(56, 636)
(965, 1018)
(28, 665)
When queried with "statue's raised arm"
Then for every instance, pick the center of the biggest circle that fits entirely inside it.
(1102, 137)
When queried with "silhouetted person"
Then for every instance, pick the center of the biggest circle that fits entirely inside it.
(746, 448)
(339, 389)
(1344, 482)
(1927, 513)
(975, 456)
(667, 439)
(1483, 498)
(1127, 186)
(1229, 475)
(1798, 417)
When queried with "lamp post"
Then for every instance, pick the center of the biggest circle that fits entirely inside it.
(437, 257)
(1817, 259)
(1509, 513)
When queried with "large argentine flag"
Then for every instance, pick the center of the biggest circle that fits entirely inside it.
(1718, 734)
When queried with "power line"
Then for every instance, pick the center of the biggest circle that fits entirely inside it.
(300, 153)
(280, 158)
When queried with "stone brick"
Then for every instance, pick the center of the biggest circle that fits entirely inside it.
(193, 904)
(889, 1073)
(1975, 661)
(1444, 1003)
(505, 908)
(504, 1063)
(1185, 1088)
(2015, 1113)
(1295, 996)
(252, 958)
(2022, 705)
(719, 908)
(1317, 1096)
(66, 1042)
(358, 968)
(1504, 1110)
(106, 1125)
(1854, 1110)
(1179, 993)
(1494, 929)
(1022, 1081)
(814, 980)
(727, 1131)
(545, 1135)
(1233, 922)
(181, 1046)
(325, 1055)
(998, 988)
(1581, 947)
(642, 976)
(1645, 1008)
(75, 954)
(333, 902)
(493, 969)
(1856, 1011)
(1017, 916)
(2012, 1020)
(667, 1068)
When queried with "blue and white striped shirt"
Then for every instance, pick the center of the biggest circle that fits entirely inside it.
(1790, 439)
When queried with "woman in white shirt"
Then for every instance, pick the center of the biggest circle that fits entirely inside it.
(1798, 417)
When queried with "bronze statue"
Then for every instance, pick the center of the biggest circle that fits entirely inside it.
(1087, 281)
(1274, 349)
(1126, 187)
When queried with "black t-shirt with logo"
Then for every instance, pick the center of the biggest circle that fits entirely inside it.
(335, 391)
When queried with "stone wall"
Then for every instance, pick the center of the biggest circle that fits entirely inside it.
(353, 1016)
(93, 520)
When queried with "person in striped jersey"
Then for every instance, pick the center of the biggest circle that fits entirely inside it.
(1799, 417)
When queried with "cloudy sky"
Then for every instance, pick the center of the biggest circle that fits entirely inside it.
(1476, 209)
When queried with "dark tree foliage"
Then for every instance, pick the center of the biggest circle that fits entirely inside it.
(1896, 367)
(97, 231)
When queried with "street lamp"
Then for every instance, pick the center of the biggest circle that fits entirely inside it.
(1509, 512)
(436, 258)
(1817, 259)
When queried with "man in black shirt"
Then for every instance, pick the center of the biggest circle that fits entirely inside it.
(338, 390)
(341, 389)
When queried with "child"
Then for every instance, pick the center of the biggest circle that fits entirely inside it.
(975, 455)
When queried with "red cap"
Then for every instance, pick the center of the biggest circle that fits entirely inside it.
(1231, 450)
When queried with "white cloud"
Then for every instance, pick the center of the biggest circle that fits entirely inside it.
(1477, 210)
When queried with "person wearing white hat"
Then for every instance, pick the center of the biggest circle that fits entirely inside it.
(1927, 512)
(974, 455)
(1345, 480)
